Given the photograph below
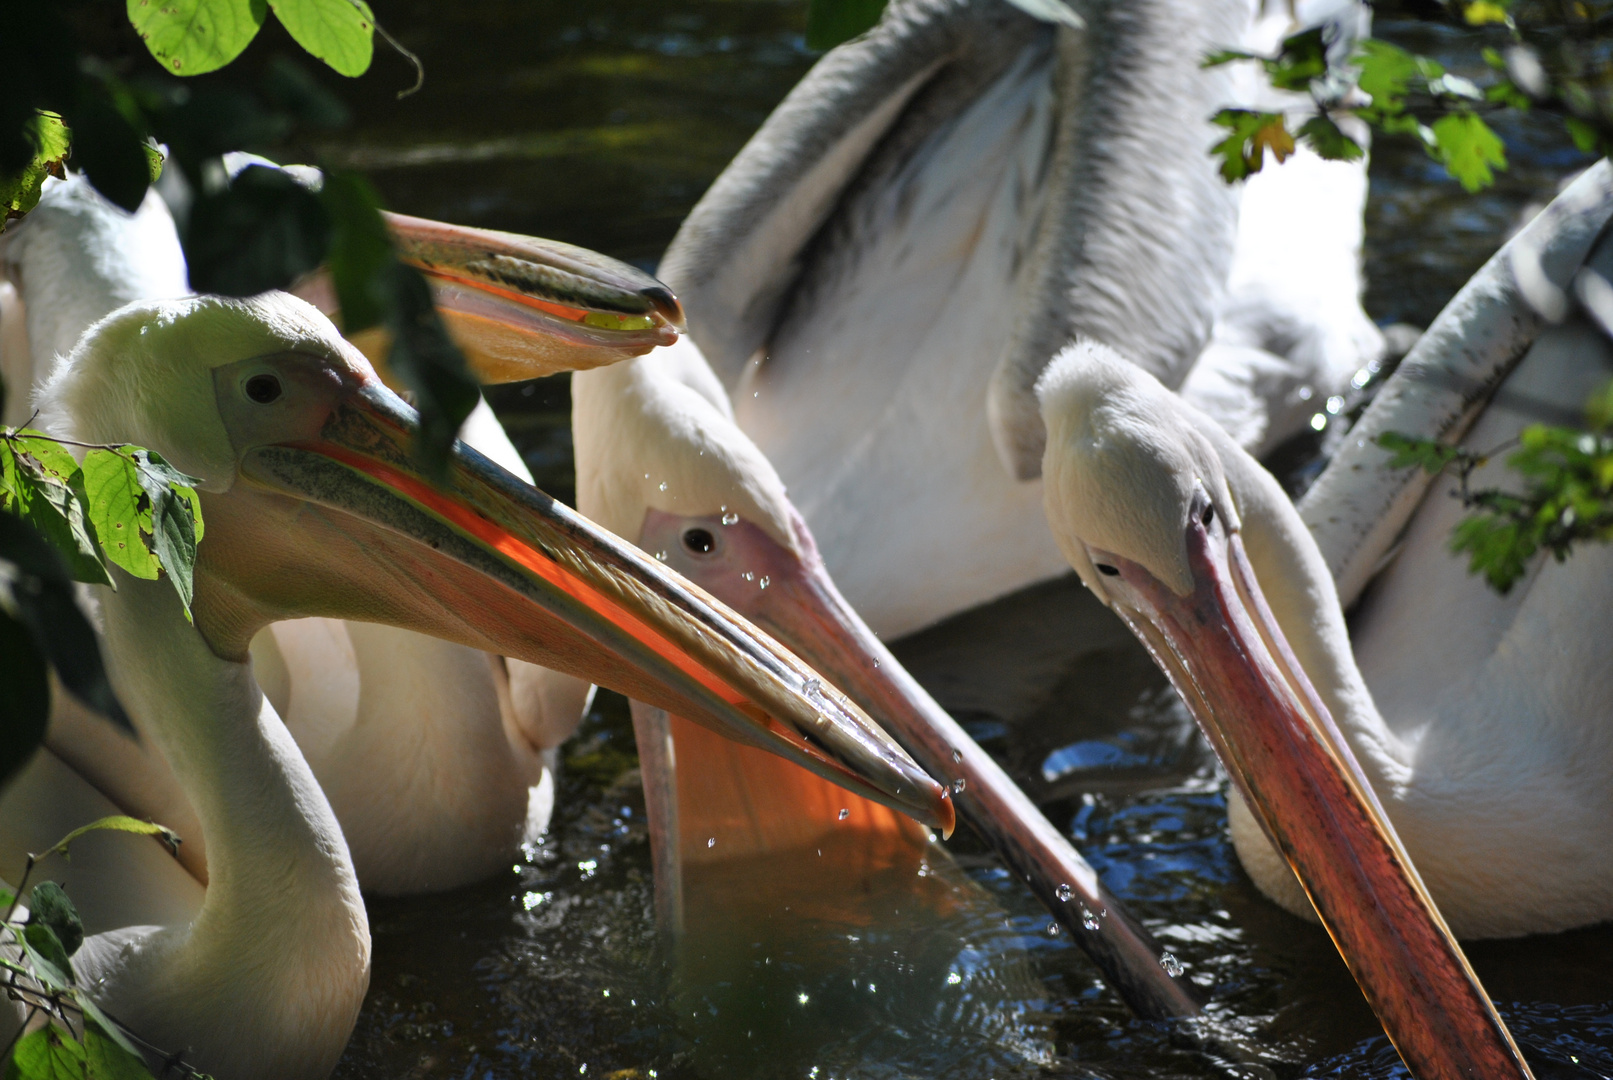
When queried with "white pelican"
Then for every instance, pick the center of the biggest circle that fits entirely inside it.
(943, 203)
(661, 461)
(312, 506)
(425, 804)
(1476, 722)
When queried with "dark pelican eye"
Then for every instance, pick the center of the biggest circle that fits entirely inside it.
(699, 541)
(263, 389)
(1107, 570)
(1208, 516)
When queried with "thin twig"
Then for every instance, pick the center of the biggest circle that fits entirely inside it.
(419, 68)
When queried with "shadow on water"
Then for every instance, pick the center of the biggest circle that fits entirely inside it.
(600, 124)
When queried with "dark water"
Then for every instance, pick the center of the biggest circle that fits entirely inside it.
(600, 123)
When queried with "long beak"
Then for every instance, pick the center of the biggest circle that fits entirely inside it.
(520, 307)
(1223, 651)
(486, 560)
(803, 608)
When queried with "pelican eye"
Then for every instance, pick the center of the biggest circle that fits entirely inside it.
(1106, 570)
(263, 389)
(1207, 517)
(699, 541)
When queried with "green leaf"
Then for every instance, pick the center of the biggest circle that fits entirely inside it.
(1408, 451)
(116, 823)
(133, 493)
(1325, 137)
(193, 37)
(25, 705)
(262, 232)
(1483, 12)
(830, 22)
(41, 483)
(48, 904)
(48, 1053)
(1386, 73)
(42, 601)
(47, 957)
(339, 32)
(48, 139)
(1584, 135)
(1253, 133)
(108, 150)
(361, 254)
(429, 363)
(120, 512)
(108, 1053)
(1468, 149)
(1302, 58)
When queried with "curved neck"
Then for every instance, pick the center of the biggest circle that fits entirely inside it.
(282, 896)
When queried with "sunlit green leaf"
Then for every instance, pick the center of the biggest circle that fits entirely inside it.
(1483, 12)
(107, 1051)
(116, 823)
(1253, 133)
(1386, 72)
(1425, 454)
(192, 37)
(41, 483)
(48, 904)
(339, 32)
(120, 511)
(48, 1053)
(1469, 149)
(19, 192)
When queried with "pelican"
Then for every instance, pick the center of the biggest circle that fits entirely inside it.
(943, 203)
(364, 702)
(660, 461)
(1463, 730)
(313, 507)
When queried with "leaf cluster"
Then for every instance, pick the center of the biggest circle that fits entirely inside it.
(78, 1039)
(1397, 92)
(63, 521)
(1566, 497)
(261, 228)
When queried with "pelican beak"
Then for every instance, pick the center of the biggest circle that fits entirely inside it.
(521, 307)
(1224, 652)
(486, 560)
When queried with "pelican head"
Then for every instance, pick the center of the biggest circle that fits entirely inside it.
(313, 507)
(1150, 502)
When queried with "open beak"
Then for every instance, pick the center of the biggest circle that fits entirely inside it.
(801, 607)
(521, 307)
(1223, 651)
(486, 560)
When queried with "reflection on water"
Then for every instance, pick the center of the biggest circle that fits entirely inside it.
(600, 124)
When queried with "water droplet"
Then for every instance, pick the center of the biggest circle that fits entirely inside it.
(765, 582)
(1088, 920)
(953, 978)
(844, 813)
(730, 518)
(646, 476)
(1064, 893)
(1172, 966)
(749, 575)
(756, 393)
(661, 555)
(812, 688)
(957, 755)
(662, 485)
(711, 841)
(959, 784)
(1052, 929)
(876, 663)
